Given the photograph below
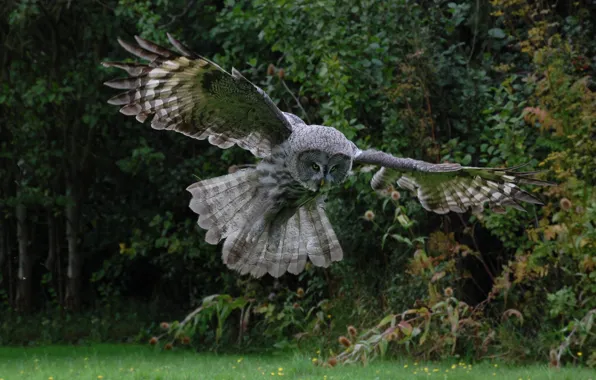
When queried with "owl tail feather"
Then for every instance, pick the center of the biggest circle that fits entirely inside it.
(225, 203)
(284, 243)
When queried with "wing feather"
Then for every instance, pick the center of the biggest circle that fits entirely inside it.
(441, 188)
(194, 96)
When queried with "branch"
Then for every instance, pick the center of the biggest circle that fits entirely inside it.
(283, 82)
(176, 17)
(475, 31)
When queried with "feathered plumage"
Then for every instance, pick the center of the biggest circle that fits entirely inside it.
(192, 95)
(272, 216)
(459, 188)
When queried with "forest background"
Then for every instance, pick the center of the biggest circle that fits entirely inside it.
(97, 242)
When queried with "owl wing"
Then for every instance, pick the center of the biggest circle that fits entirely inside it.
(451, 187)
(194, 96)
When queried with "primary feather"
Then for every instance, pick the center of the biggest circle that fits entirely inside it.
(194, 96)
(462, 189)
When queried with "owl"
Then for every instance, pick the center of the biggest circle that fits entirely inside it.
(272, 216)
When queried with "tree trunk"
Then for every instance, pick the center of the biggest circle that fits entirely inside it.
(9, 265)
(51, 259)
(3, 245)
(72, 299)
(25, 268)
(50, 262)
(3, 250)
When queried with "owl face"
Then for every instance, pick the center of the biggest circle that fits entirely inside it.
(316, 169)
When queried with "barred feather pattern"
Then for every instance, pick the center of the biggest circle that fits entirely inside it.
(286, 244)
(464, 189)
(224, 203)
(267, 226)
(194, 96)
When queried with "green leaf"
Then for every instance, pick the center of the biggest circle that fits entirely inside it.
(386, 320)
(497, 33)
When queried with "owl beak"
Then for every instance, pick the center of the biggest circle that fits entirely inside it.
(322, 182)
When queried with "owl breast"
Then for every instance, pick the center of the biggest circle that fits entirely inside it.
(276, 179)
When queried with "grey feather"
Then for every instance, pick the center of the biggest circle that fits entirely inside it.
(442, 188)
(194, 96)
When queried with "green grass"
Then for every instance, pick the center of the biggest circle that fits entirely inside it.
(109, 362)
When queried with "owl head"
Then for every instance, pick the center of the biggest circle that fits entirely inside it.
(316, 169)
(321, 157)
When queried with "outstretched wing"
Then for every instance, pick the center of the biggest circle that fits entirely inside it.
(451, 187)
(194, 96)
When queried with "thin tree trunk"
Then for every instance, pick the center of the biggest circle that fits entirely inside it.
(51, 259)
(60, 282)
(3, 250)
(25, 268)
(50, 262)
(9, 265)
(3, 246)
(72, 298)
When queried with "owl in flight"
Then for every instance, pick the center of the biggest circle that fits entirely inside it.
(272, 216)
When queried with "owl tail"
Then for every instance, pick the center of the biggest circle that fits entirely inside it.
(225, 203)
(284, 243)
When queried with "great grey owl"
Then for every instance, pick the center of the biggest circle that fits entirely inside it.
(272, 216)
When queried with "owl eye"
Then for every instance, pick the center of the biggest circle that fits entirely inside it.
(315, 167)
(334, 168)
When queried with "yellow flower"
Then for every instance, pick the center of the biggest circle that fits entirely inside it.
(272, 373)
(318, 352)
(453, 366)
(100, 377)
(415, 363)
(435, 370)
(314, 360)
(405, 366)
(280, 369)
(280, 374)
(328, 316)
(494, 374)
(496, 365)
(425, 369)
(579, 353)
(239, 360)
(50, 378)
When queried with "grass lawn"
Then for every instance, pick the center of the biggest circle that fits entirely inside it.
(107, 362)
